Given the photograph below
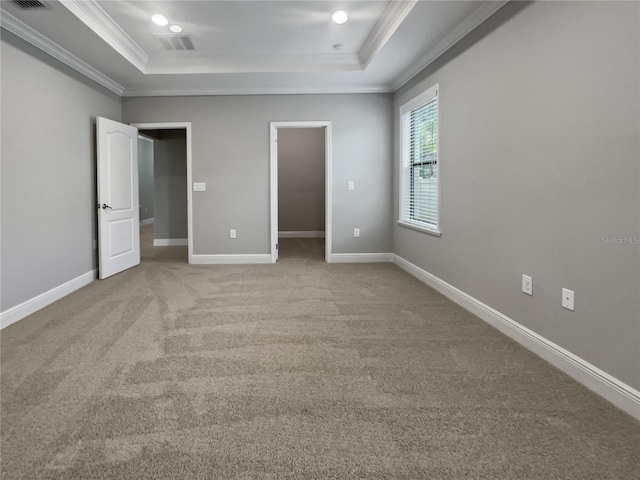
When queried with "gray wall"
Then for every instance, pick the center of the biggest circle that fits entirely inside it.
(231, 154)
(170, 180)
(540, 163)
(301, 179)
(145, 177)
(48, 171)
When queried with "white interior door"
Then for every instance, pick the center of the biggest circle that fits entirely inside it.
(118, 212)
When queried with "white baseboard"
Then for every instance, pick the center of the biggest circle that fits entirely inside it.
(301, 234)
(360, 257)
(170, 242)
(620, 394)
(147, 221)
(25, 309)
(230, 259)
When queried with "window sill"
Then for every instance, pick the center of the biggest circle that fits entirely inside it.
(420, 228)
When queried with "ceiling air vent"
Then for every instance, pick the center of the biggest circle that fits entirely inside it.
(29, 4)
(174, 41)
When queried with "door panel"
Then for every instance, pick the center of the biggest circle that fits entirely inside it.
(120, 174)
(120, 236)
(118, 215)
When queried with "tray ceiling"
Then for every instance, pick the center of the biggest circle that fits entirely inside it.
(245, 47)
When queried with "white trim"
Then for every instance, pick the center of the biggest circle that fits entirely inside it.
(273, 190)
(147, 221)
(318, 90)
(620, 394)
(98, 20)
(273, 142)
(94, 17)
(419, 100)
(449, 40)
(28, 34)
(187, 127)
(230, 259)
(360, 258)
(170, 242)
(416, 102)
(391, 19)
(301, 234)
(90, 13)
(25, 309)
(420, 228)
(328, 195)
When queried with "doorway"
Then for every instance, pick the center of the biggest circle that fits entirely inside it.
(300, 185)
(171, 224)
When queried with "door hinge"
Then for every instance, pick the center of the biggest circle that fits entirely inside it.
(276, 246)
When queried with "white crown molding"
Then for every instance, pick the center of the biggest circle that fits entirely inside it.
(256, 91)
(454, 36)
(94, 17)
(90, 13)
(98, 20)
(391, 19)
(28, 34)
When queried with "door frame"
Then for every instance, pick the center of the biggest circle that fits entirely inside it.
(187, 127)
(273, 140)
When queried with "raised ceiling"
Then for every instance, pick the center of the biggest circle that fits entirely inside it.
(248, 47)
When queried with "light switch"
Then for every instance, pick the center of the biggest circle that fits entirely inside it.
(199, 186)
(351, 185)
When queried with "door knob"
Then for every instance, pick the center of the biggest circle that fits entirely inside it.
(105, 206)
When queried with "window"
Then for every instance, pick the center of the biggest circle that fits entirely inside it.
(420, 185)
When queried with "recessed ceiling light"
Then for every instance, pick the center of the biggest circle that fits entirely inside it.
(175, 28)
(340, 17)
(159, 19)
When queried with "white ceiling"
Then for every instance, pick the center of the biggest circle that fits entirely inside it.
(248, 47)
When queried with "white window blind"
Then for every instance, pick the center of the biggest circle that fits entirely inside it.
(419, 152)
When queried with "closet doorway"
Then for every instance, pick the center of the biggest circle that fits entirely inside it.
(300, 189)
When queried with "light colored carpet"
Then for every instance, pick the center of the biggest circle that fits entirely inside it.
(299, 370)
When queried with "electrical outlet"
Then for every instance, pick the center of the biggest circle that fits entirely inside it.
(356, 232)
(232, 233)
(568, 299)
(527, 284)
